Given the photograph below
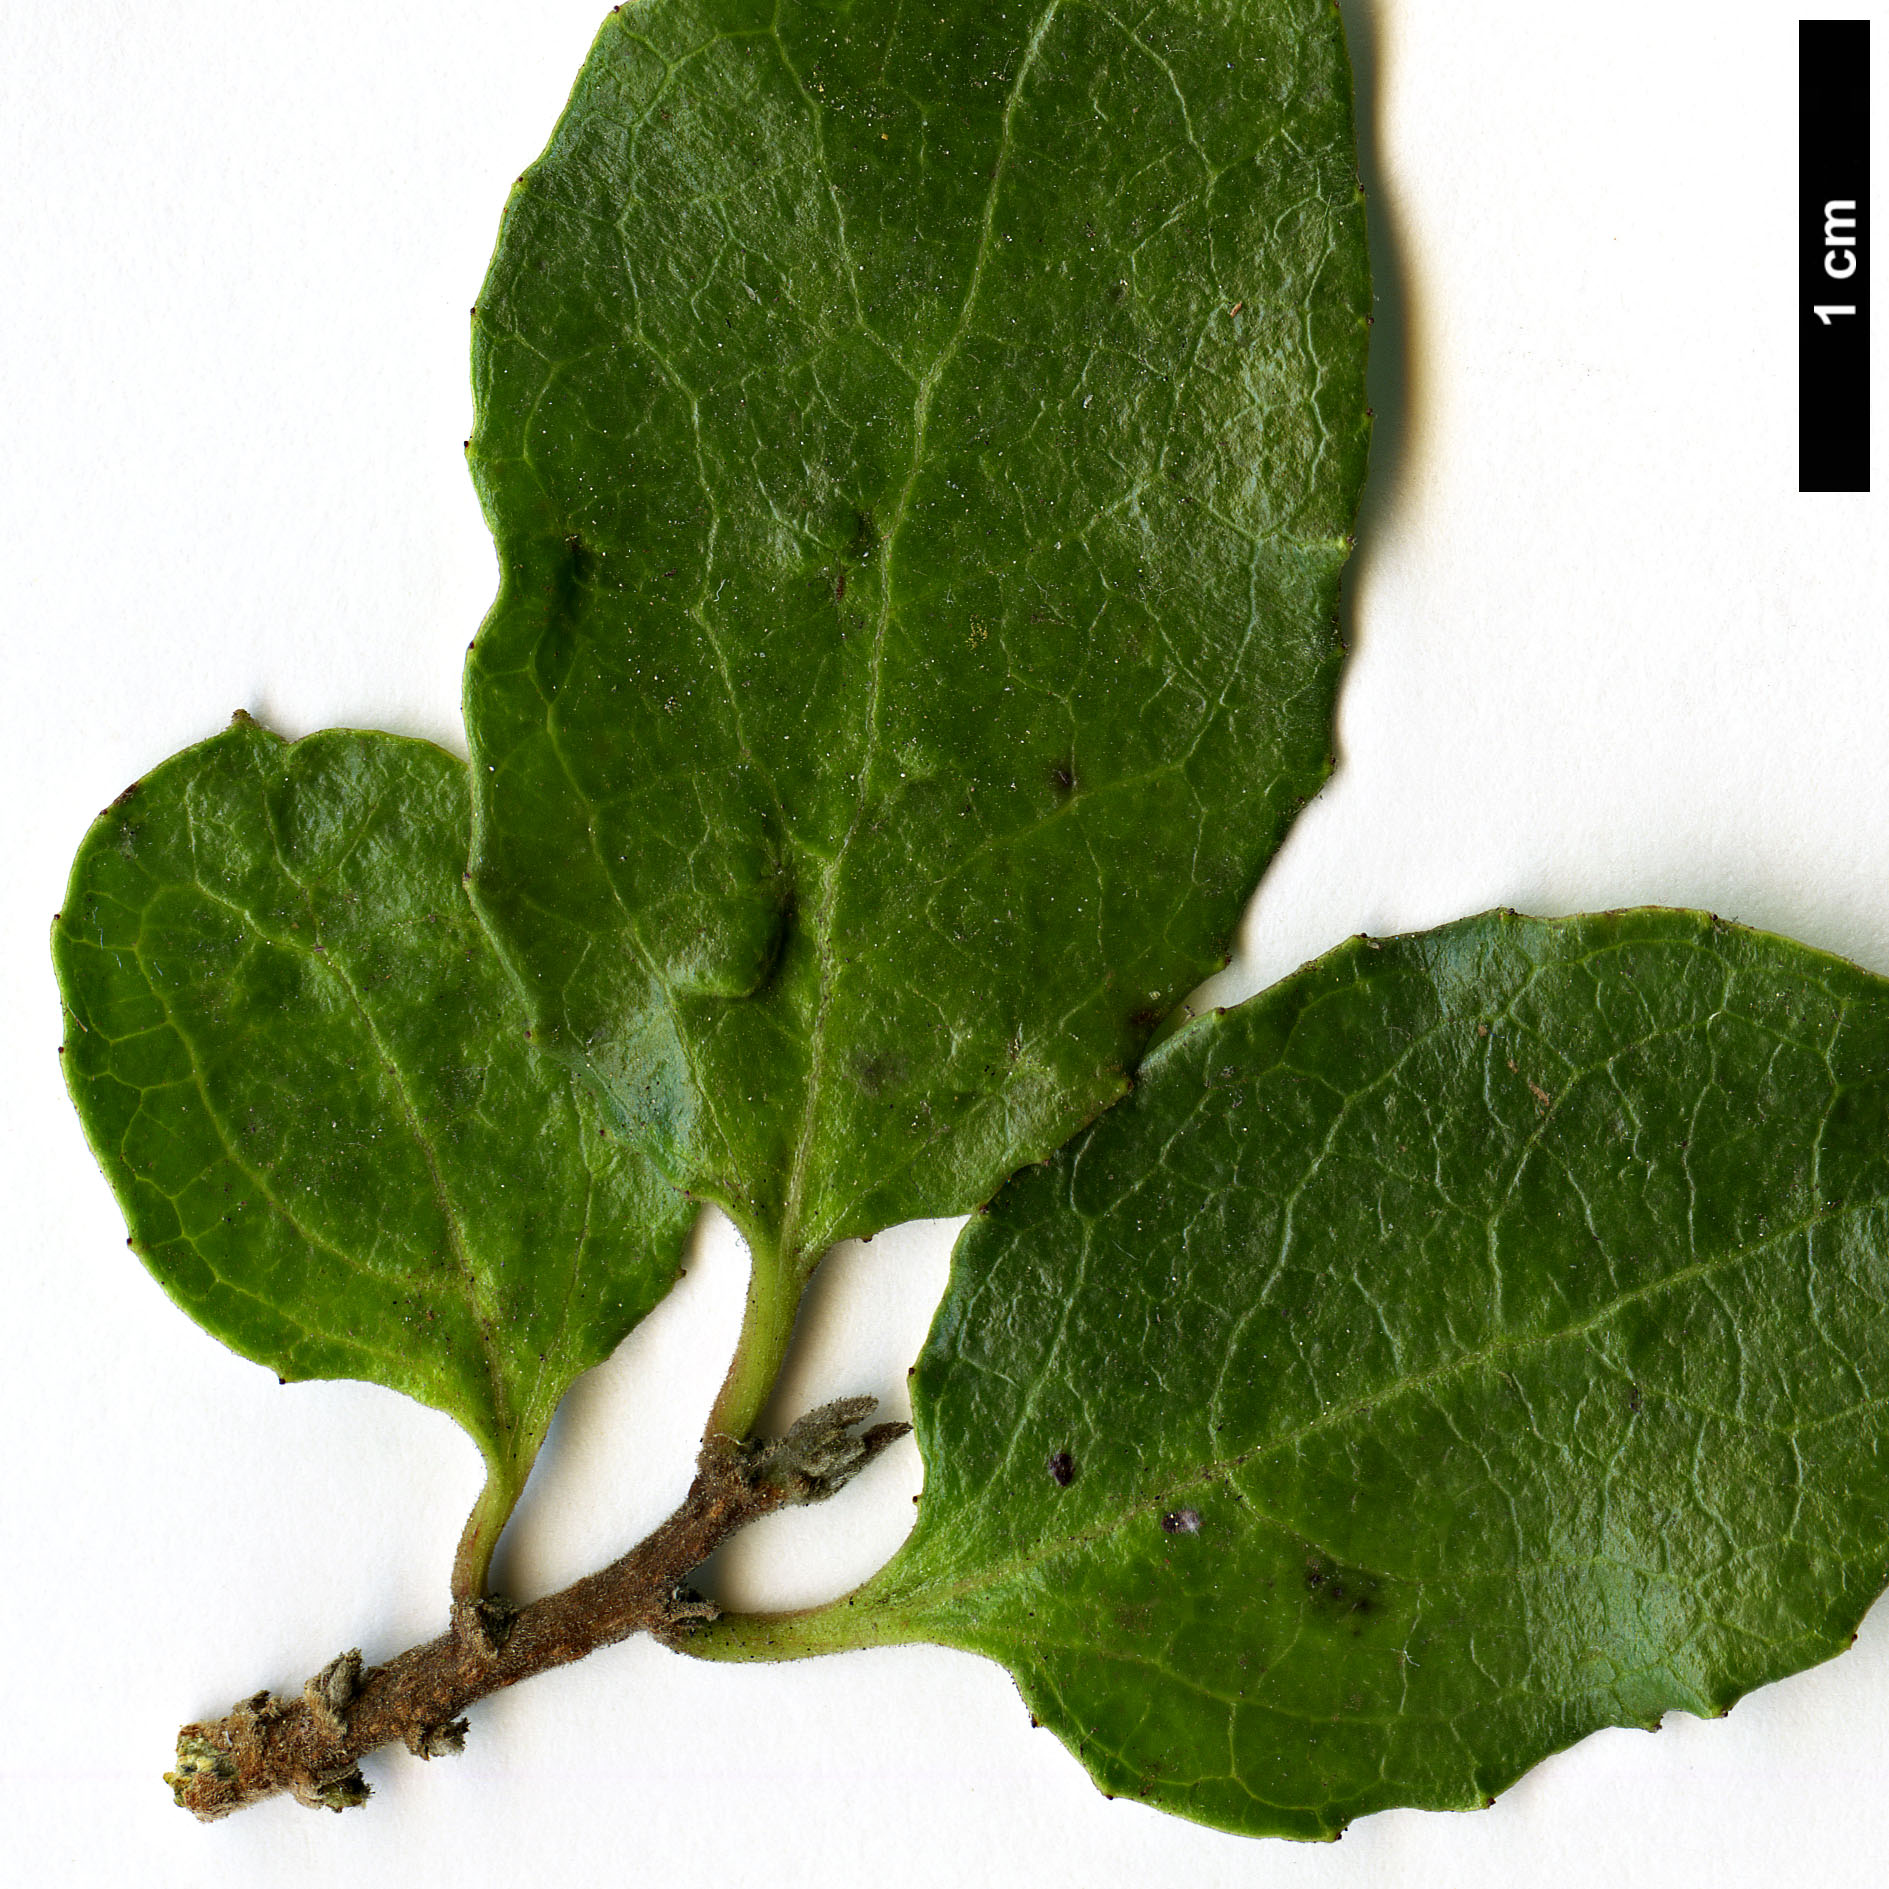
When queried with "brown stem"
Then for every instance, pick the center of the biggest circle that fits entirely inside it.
(312, 1746)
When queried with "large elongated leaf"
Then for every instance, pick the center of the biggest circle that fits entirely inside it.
(1477, 1339)
(308, 1080)
(921, 442)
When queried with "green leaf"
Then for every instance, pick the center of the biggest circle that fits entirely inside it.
(308, 1081)
(921, 443)
(1475, 1340)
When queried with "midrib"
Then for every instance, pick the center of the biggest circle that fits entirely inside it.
(1195, 1474)
(793, 1201)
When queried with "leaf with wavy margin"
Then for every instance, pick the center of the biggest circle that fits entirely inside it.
(921, 443)
(1475, 1340)
(309, 1082)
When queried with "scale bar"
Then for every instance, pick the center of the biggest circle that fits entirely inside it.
(1833, 255)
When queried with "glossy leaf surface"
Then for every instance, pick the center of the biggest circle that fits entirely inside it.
(921, 442)
(307, 1078)
(1475, 1340)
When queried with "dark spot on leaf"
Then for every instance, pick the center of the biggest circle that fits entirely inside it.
(786, 922)
(1338, 1592)
(1062, 1469)
(880, 1071)
(1181, 1522)
(1634, 1400)
(556, 647)
(864, 541)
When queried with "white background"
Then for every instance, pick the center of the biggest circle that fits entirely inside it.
(1604, 654)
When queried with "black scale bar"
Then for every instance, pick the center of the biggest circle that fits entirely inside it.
(1833, 255)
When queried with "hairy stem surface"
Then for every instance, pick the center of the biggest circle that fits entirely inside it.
(311, 1746)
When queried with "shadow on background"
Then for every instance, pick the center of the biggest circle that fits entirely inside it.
(1388, 382)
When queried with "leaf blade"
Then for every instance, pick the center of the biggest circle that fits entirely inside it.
(307, 1080)
(1521, 1416)
(900, 367)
